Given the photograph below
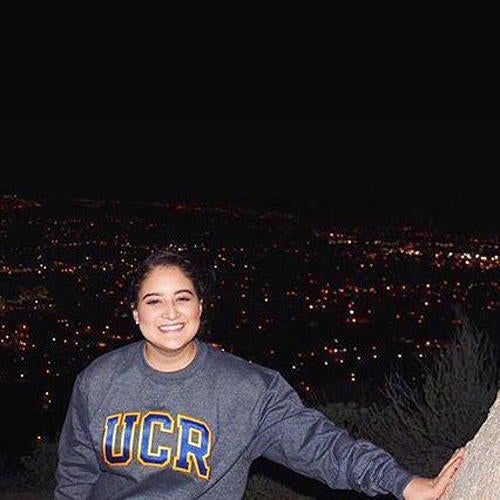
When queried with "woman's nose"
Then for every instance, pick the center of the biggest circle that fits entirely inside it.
(169, 311)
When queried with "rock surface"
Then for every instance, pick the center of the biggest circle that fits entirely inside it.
(479, 475)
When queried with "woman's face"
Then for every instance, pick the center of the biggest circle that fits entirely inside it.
(168, 309)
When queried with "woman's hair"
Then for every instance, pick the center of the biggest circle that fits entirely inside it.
(203, 278)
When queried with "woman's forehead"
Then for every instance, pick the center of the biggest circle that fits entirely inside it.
(170, 277)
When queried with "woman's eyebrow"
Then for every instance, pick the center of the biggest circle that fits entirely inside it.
(152, 294)
(157, 294)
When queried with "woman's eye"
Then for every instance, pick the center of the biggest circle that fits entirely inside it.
(152, 302)
(184, 299)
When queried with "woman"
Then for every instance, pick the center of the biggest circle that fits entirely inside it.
(170, 416)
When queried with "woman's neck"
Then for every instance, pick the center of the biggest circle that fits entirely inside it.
(169, 361)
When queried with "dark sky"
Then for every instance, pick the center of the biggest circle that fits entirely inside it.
(377, 168)
(251, 147)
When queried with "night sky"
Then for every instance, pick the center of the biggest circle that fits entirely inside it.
(435, 170)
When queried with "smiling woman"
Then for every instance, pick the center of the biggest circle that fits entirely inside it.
(168, 313)
(171, 416)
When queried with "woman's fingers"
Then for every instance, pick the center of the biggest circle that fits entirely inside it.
(448, 470)
(458, 455)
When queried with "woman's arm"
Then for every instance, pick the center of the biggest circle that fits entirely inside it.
(77, 467)
(306, 441)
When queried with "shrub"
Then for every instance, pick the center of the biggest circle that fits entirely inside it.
(260, 487)
(349, 415)
(40, 466)
(421, 425)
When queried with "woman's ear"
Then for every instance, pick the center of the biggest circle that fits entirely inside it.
(135, 314)
(200, 307)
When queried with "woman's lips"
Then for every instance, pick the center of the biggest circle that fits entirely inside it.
(171, 328)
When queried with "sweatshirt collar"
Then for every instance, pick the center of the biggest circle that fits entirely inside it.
(187, 371)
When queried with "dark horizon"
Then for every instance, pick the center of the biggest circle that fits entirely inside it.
(429, 169)
(452, 206)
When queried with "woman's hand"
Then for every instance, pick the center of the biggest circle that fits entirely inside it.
(423, 488)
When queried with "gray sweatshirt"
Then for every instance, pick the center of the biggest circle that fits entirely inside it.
(132, 432)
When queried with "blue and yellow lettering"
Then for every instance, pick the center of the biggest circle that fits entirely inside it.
(118, 451)
(194, 441)
(152, 426)
(193, 446)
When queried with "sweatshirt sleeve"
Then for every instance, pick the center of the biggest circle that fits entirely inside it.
(308, 442)
(77, 466)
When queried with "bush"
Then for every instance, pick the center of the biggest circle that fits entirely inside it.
(260, 487)
(349, 416)
(422, 425)
(40, 466)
